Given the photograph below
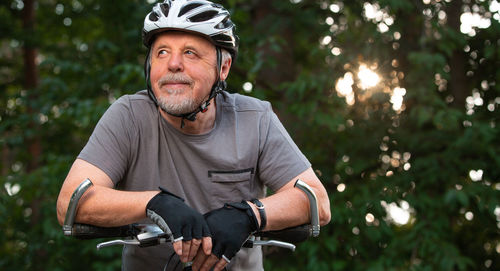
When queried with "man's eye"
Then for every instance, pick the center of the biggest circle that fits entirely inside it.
(189, 52)
(162, 52)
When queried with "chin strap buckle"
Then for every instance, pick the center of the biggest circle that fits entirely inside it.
(204, 107)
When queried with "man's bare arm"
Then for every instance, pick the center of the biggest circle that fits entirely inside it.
(289, 206)
(101, 205)
(104, 206)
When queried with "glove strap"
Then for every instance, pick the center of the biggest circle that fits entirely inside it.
(243, 206)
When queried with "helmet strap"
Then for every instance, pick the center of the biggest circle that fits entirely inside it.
(147, 72)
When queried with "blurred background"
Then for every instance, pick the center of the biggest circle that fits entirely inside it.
(395, 103)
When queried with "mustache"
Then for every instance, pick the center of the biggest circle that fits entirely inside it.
(174, 78)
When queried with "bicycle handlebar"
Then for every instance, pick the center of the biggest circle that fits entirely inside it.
(149, 234)
(293, 235)
(85, 231)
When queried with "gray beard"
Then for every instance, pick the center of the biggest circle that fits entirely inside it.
(172, 104)
(185, 106)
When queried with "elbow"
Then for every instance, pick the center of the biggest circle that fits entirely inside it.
(62, 207)
(324, 212)
(61, 212)
(325, 215)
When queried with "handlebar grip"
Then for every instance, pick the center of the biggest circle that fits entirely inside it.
(84, 231)
(291, 235)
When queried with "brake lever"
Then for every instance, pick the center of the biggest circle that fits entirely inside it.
(149, 235)
(274, 243)
(134, 242)
(252, 241)
(152, 235)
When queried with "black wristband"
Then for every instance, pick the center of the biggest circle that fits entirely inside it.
(262, 212)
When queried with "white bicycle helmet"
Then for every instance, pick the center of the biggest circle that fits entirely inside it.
(199, 16)
(202, 17)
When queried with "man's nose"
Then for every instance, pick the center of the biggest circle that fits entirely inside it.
(175, 63)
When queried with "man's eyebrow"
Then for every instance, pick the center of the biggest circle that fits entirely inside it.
(161, 46)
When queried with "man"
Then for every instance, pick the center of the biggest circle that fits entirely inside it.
(211, 152)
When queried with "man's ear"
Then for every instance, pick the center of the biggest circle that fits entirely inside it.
(224, 70)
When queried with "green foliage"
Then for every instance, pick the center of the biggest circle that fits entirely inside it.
(84, 64)
(436, 157)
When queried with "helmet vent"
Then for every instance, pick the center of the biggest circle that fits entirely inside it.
(165, 8)
(226, 23)
(188, 8)
(153, 16)
(222, 39)
(204, 16)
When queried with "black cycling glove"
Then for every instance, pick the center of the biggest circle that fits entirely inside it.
(175, 218)
(231, 226)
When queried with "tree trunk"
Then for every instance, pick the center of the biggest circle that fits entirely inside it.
(278, 55)
(31, 77)
(31, 85)
(458, 60)
(271, 76)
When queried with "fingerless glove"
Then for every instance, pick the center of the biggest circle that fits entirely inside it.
(231, 226)
(175, 218)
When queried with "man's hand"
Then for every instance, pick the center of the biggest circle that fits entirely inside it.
(186, 226)
(230, 226)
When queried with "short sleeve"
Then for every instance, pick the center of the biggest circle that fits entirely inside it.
(280, 159)
(108, 148)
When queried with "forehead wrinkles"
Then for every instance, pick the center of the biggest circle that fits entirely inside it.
(175, 38)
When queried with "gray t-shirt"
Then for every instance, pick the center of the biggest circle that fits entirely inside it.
(247, 150)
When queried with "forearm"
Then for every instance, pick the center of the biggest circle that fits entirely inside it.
(289, 206)
(101, 205)
(107, 207)
(283, 213)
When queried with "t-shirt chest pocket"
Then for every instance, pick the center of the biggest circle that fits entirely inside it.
(230, 186)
